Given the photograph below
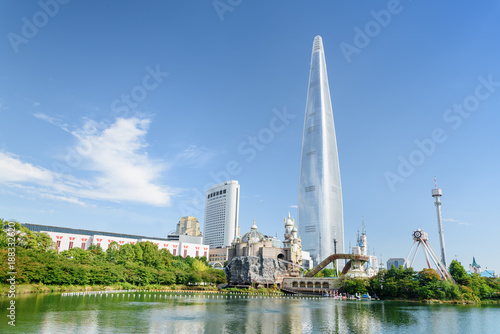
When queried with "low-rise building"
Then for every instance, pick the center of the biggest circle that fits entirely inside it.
(475, 268)
(396, 261)
(218, 256)
(68, 238)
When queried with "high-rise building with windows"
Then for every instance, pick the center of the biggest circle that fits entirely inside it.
(222, 203)
(321, 224)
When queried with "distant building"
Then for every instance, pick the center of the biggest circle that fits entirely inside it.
(488, 273)
(188, 225)
(396, 261)
(307, 262)
(218, 256)
(275, 240)
(68, 238)
(221, 214)
(185, 238)
(474, 268)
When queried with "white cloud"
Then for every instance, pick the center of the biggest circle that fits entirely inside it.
(124, 169)
(113, 159)
(294, 206)
(12, 169)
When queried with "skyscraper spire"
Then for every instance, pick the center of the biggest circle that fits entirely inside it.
(320, 192)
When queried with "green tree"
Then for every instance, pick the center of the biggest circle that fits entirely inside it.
(428, 276)
(150, 254)
(355, 285)
(126, 254)
(112, 252)
(138, 252)
(459, 274)
(452, 291)
(166, 277)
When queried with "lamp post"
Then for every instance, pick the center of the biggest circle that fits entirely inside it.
(335, 252)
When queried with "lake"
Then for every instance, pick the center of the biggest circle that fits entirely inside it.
(160, 312)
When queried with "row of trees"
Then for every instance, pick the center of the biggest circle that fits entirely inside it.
(140, 264)
(406, 283)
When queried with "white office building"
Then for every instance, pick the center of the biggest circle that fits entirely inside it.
(222, 203)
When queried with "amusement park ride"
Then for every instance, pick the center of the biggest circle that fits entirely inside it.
(420, 238)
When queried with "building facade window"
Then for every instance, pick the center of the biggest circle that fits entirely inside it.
(83, 245)
(70, 245)
(58, 244)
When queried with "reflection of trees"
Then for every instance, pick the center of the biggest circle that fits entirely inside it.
(394, 313)
(262, 315)
(358, 317)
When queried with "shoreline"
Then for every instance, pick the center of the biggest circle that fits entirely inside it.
(28, 289)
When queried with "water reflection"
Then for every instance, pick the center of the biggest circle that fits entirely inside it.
(203, 313)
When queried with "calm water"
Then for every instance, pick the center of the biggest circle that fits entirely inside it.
(203, 313)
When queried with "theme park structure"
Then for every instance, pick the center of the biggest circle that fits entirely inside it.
(421, 238)
(355, 262)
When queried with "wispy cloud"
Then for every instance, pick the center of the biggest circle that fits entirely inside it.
(452, 220)
(113, 159)
(294, 206)
(52, 120)
(195, 156)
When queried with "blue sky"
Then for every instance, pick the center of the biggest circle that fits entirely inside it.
(116, 115)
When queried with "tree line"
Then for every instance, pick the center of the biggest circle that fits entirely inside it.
(406, 283)
(141, 264)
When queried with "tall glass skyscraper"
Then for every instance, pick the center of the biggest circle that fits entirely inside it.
(320, 193)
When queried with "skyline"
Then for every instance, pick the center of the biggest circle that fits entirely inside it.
(226, 97)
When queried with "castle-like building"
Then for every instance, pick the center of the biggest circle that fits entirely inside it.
(367, 269)
(254, 243)
(475, 268)
(292, 244)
